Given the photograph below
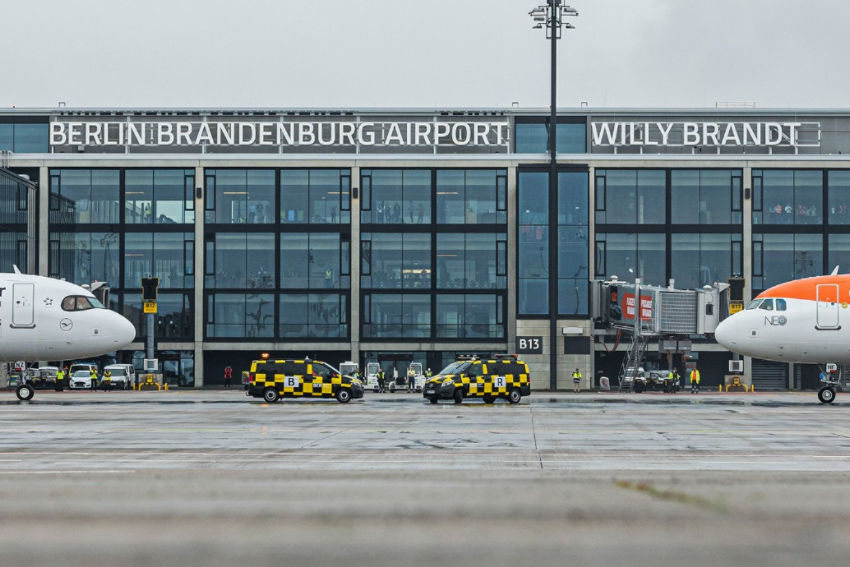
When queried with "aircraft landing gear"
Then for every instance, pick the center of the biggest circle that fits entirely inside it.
(826, 394)
(25, 392)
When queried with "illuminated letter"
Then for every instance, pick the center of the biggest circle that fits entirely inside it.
(164, 136)
(57, 129)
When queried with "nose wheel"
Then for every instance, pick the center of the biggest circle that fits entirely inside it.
(826, 394)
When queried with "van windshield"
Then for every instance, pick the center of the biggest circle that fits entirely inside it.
(455, 368)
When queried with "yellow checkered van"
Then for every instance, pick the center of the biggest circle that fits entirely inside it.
(275, 379)
(500, 376)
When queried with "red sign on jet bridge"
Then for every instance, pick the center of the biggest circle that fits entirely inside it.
(629, 307)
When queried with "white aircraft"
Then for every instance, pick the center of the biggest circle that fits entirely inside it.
(49, 319)
(801, 321)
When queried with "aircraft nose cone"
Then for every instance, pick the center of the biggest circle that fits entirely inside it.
(125, 332)
(725, 334)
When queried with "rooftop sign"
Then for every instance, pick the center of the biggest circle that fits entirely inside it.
(340, 133)
(705, 134)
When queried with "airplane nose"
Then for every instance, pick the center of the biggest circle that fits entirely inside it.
(125, 331)
(724, 333)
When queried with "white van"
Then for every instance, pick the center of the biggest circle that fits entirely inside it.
(123, 376)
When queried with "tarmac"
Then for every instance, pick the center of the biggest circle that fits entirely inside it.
(213, 478)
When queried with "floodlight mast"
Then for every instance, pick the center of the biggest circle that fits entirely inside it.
(551, 16)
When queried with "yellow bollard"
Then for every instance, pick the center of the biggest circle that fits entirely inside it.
(166, 386)
(720, 388)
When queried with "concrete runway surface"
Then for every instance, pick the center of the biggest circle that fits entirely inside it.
(213, 478)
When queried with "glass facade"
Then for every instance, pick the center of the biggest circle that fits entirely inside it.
(315, 196)
(658, 224)
(24, 136)
(161, 196)
(569, 241)
(532, 137)
(440, 269)
(787, 196)
(85, 196)
(778, 258)
(17, 233)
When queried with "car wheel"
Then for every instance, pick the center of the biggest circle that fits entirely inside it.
(270, 395)
(432, 399)
(515, 396)
(638, 387)
(25, 392)
(343, 395)
(458, 395)
(392, 387)
(488, 399)
(825, 395)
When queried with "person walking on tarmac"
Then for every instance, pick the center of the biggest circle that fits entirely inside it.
(228, 376)
(576, 380)
(93, 378)
(695, 380)
(107, 380)
(60, 380)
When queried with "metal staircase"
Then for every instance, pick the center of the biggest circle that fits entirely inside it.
(633, 359)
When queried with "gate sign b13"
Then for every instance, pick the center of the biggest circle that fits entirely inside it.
(529, 345)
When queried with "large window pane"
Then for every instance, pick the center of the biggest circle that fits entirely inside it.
(168, 256)
(239, 315)
(240, 196)
(630, 196)
(84, 196)
(313, 315)
(83, 257)
(160, 196)
(470, 197)
(788, 196)
(468, 316)
(397, 261)
(397, 315)
(839, 197)
(629, 255)
(243, 261)
(703, 259)
(778, 258)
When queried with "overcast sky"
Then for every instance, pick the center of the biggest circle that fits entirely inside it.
(421, 53)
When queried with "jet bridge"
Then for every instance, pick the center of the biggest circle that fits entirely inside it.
(646, 312)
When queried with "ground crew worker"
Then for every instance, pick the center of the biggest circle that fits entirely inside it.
(107, 380)
(228, 375)
(381, 379)
(60, 380)
(411, 376)
(694, 380)
(93, 378)
(576, 380)
(428, 373)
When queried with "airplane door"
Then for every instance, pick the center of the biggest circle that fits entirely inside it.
(827, 306)
(23, 308)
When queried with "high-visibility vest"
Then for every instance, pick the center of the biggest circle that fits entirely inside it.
(695, 375)
(577, 375)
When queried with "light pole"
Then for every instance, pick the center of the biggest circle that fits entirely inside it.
(551, 17)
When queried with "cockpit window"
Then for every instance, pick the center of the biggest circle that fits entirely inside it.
(780, 305)
(767, 305)
(754, 304)
(80, 303)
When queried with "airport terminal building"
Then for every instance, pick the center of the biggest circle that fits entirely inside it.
(395, 235)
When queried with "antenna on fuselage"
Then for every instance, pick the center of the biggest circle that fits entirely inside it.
(834, 272)
(17, 271)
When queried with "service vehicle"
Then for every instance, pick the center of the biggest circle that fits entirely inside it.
(80, 380)
(275, 379)
(123, 376)
(634, 379)
(43, 377)
(372, 369)
(347, 368)
(87, 366)
(418, 379)
(500, 376)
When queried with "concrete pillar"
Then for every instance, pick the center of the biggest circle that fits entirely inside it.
(199, 276)
(43, 223)
(354, 307)
(511, 322)
(747, 245)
